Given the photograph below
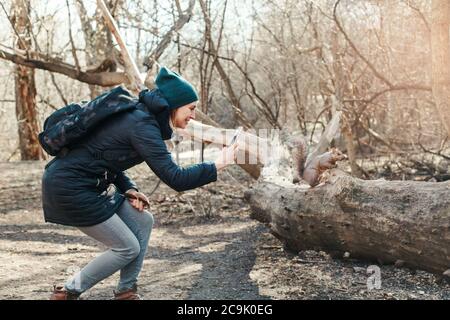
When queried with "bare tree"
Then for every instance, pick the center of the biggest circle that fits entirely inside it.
(100, 53)
(234, 99)
(28, 127)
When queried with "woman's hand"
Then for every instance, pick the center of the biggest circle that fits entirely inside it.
(227, 156)
(137, 199)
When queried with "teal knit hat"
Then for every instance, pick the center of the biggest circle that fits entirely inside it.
(177, 91)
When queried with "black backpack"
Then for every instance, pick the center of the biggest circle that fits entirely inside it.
(72, 122)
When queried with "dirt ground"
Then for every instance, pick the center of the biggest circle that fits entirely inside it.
(203, 246)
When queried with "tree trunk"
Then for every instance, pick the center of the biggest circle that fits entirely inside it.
(347, 133)
(385, 221)
(440, 59)
(25, 88)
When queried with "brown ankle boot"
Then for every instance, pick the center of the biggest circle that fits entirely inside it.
(60, 293)
(130, 294)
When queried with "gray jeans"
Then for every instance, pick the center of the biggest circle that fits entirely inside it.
(126, 234)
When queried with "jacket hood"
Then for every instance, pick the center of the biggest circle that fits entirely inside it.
(153, 102)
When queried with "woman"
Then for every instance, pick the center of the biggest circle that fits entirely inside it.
(75, 187)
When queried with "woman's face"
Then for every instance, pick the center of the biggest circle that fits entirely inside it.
(182, 115)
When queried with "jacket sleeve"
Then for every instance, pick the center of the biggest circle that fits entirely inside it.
(124, 183)
(147, 141)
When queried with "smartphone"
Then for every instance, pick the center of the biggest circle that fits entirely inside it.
(236, 134)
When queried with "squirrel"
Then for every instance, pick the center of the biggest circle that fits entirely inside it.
(313, 173)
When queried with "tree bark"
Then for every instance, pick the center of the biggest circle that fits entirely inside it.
(384, 221)
(25, 89)
(440, 59)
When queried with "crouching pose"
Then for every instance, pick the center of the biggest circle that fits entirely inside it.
(75, 186)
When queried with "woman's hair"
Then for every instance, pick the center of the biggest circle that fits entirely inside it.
(171, 116)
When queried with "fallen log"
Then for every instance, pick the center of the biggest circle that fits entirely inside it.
(402, 222)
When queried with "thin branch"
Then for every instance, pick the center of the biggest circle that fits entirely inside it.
(58, 89)
(74, 52)
(114, 8)
(430, 151)
(393, 88)
(223, 75)
(265, 108)
(317, 121)
(13, 153)
(371, 66)
(14, 28)
(376, 135)
(46, 102)
(177, 3)
(184, 18)
(420, 13)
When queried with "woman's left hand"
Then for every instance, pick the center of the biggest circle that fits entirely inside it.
(137, 199)
(227, 156)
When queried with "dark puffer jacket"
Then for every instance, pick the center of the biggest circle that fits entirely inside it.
(75, 187)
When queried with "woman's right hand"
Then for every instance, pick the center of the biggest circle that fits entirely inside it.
(227, 156)
(137, 199)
